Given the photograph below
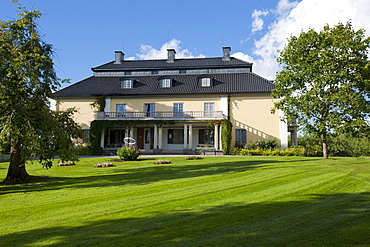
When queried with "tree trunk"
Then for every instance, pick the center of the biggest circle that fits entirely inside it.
(17, 166)
(325, 147)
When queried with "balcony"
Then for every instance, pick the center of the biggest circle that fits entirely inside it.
(162, 115)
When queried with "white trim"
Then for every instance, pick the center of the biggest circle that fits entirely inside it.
(223, 106)
(107, 104)
(283, 131)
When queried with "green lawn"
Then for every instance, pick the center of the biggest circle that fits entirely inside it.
(215, 201)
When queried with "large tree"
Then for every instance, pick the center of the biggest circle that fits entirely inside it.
(27, 82)
(325, 81)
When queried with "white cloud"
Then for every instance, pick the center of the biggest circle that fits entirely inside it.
(148, 52)
(293, 17)
(257, 23)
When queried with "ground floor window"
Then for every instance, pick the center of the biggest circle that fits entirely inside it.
(175, 136)
(240, 137)
(206, 136)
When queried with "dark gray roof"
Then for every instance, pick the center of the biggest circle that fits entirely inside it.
(182, 84)
(216, 62)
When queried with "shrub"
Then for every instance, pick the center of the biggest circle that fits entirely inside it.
(291, 151)
(162, 162)
(128, 153)
(83, 149)
(103, 165)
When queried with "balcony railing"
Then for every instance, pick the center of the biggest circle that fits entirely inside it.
(161, 115)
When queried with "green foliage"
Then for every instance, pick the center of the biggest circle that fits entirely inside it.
(325, 82)
(83, 149)
(128, 153)
(27, 81)
(99, 103)
(270, 143)
(226, 128)
(341, 145)
(291, 151)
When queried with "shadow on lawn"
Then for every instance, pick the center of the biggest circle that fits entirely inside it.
(143, 175)
(325, 220)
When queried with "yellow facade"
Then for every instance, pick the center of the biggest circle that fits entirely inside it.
(253, 113)
(85, 115)
(191, 103)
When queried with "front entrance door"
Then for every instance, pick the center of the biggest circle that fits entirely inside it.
(140, 138)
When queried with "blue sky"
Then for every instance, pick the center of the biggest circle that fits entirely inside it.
(85, 33)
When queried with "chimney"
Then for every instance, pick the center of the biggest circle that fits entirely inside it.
(119, 57)
(171, 55)
(226, 53)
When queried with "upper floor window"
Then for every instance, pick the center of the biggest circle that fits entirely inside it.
(127, 83)
(178, 109)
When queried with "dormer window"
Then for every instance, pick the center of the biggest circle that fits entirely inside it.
(165, 82)
(127, 83)
(205, 81)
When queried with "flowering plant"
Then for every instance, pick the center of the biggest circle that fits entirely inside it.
(70, 163)
(162, 162)
(193, 158)
(103, 164)
(128, 153)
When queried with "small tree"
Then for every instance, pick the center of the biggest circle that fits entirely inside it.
(27, 79)
(325, 81)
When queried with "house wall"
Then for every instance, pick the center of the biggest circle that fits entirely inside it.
(253, 113)
(85, 114)
(191, 103)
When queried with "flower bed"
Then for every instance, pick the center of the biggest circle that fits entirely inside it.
(103, 165)
(193, 158)
(71, 163)
(162, 162)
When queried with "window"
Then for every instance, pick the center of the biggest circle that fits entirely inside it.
(126, 83)
(209, 109)
(166, 82)
(178, 109)
(175, 136)
(121, 110)
(205, 136)
(240, 138)
(149, 110)
(205, 82)
(182, 71)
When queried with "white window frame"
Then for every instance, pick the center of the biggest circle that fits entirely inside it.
(126, 83)
(166, 82)
(205, 82)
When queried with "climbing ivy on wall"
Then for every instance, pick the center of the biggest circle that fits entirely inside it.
(226, 129)
(99, 103)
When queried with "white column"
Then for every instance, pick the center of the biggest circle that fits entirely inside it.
(190, 136)
(160, 137)
(216, 138)
(126, 135)
(155, 136)
(185, 136)
(220, 140)
(102, 138)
